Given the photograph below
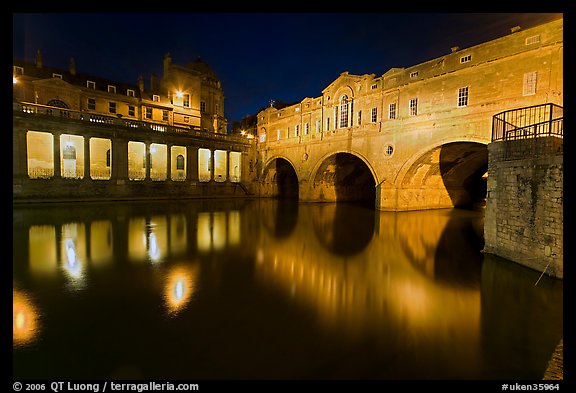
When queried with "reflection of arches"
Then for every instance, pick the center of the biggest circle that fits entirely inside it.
(58, 104)
(343, 229)
(279, 179)
(279, 217)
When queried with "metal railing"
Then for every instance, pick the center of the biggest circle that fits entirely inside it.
(528, 122)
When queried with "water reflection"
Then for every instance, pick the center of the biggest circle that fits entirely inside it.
(180, 286)
(25, 319)
(269, 289)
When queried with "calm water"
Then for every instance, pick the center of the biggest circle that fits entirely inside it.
(262, 289)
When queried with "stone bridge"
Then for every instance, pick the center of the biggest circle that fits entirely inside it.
(435, 162)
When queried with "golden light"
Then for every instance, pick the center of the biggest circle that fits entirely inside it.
(179, 94)
(25, 325)
(179, 288)
(14, 80)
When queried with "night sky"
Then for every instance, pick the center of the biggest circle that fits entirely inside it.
(257, 56)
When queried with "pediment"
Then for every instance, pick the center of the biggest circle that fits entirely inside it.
(55, 83)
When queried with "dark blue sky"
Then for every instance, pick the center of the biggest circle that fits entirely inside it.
(257, 56)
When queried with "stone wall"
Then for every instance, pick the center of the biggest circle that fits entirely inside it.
(524, 209)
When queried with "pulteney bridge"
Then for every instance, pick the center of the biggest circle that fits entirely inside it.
(412, 138)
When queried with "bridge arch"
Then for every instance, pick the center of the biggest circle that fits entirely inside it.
(451, 173)
(279, 179)
(343, 176)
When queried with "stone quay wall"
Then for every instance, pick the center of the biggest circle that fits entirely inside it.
(524, 204)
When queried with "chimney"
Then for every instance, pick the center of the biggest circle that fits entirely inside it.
(72, 67)
(153, 82)
(167, 62)
(38, 59)
(140, 83)
(515, 29)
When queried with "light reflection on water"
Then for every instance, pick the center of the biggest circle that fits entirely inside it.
(266, 289)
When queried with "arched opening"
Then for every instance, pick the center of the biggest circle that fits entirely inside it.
(279, 180)
(343, 177)
(450, 175)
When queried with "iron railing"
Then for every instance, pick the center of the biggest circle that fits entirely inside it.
(528, 122)
(37, 109)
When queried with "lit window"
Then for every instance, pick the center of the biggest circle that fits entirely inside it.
(533, 39)
(277, 135)
(344, 111)
(112, 107)
(111, 89)
(164, 115)
(148, 113)
(465, 59)
(91, 104)
(262, 137)
(186, 102)
(155, 98)
(91, 85)
(413, 107)
(18, 70)
(463, 96)
(317, 126)
(392, 111)
(130, 93)
(131, 110)
(374, 115)
(530, 83)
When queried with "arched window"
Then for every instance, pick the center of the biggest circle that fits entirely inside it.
(58, 104)
(180, 162)
(344, 111)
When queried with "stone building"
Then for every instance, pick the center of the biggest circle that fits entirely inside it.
(188, 96)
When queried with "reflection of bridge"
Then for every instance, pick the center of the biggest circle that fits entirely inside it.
(412, 138)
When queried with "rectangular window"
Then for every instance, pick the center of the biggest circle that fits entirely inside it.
(91, 104)
(91, 85)
(262, 137)
(155, 98)
(392, 111)
(327, 124)
(112, 107)
(462, 96)
(164, 115)
(202, 106)
(533, 39)
(131, 110)
(59, 76)
(306, 128)
(374, 86)
(18, 70)
(413, 107)
(530, 83)
(359, 118)
(130, 93)
(317, 126)
(278, 134)
(414, 74)
(465, 59)
(186, 119)
(374, 115)
(296, 130)
(186, 102)
(111, 89)
(148, 113)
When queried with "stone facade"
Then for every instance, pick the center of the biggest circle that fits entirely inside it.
(421, 131)
(524, 212)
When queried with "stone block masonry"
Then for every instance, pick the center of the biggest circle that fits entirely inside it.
(524, 203)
